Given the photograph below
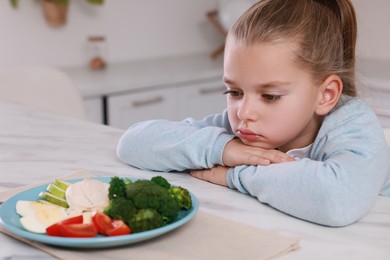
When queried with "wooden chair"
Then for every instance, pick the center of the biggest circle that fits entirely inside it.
(43, 88)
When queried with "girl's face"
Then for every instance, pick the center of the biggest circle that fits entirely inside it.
(271, 101)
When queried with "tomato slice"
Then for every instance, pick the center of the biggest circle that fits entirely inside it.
(106, 226)
(77, 230)
(53, 230)
(102, 222)
(119, 228)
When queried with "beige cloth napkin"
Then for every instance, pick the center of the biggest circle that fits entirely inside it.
(204, 237)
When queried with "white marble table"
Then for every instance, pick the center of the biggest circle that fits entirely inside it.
(36, 146)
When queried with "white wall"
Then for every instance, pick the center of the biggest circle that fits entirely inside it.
(374, 28)
(134, 29)
(137, 29)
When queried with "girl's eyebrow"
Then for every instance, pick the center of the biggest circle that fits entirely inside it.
(227, 81)
(270, 84)
(273, 84)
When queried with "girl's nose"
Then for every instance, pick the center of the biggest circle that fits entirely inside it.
(246, 110)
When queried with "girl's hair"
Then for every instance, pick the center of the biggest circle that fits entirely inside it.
(325, 31)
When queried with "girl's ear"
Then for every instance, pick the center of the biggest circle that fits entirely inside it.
(330, 92)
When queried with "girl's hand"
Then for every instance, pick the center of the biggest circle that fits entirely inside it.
(237, 153)
(216, 175)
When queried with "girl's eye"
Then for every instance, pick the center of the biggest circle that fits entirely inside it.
(270, 98)
(232, 93)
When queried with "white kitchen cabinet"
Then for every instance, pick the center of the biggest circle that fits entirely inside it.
(168, 87)
(200, 100)
(177, 102)
(94, 109)
(127, 109)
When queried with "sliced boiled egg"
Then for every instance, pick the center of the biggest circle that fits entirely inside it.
(37, 216)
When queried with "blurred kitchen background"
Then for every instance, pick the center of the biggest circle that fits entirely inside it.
(155, 56)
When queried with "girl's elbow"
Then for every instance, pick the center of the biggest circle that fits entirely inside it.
(120, 153)
(123, 153)
(338, 220)
(341, 214)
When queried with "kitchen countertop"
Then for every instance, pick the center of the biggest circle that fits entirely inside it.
(132, 76)
(37, 146)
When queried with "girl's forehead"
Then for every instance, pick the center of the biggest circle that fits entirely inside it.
(287, 39)
(286, 49)
(263, 62)
(272, 52)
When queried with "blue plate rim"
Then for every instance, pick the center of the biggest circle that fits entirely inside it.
(95, 242)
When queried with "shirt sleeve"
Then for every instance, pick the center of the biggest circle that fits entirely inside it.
(337, 184)
(162, 145)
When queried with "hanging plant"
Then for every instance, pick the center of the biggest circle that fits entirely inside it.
(56, 11)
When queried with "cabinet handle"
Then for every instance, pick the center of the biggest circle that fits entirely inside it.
(145, 102)
(207, 91)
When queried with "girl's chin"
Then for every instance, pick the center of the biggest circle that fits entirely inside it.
(258, 144)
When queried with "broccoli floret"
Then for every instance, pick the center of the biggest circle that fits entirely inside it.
(117, 188)
(128, 181)
(161, 181)
(182, 196)
(146, 204)
(121, 208)
(146, 194)
(146, 219)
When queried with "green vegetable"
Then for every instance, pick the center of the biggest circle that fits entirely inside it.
(148, 195)
(117, 188)
(54, 199)
(56, 191)
(121, 208)
(182, 196)
(62, 184)
(145, 219)
(161, 182)
(146, 204)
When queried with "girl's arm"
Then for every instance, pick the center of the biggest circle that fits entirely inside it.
(161, 145)
(338, 184)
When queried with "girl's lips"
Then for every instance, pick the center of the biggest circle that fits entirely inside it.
(247, 135)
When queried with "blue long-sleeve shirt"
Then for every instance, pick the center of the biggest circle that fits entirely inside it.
(334, 184)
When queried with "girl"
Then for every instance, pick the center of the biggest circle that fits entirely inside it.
(294, 134)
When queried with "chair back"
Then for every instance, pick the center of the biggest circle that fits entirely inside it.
(43, 88)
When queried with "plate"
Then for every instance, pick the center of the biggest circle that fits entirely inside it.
(9, 219)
